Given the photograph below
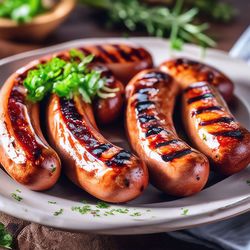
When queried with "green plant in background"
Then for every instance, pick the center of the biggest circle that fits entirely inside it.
(21, 11)
(5, 238)
(161, 19)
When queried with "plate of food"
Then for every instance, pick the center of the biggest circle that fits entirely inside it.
(123, 136)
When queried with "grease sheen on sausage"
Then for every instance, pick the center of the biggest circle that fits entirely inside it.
(25, 154)
(90, 161)
(123, 60)
(188, 71)
(214, 130)
(174, 166)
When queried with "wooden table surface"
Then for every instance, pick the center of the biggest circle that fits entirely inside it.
(82, 24)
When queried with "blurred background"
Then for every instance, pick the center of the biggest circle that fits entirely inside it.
(29, 24)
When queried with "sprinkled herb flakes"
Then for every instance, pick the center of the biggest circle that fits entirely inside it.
(16, 197)
(102, 205)
(184, 211)
(52, 202)
(59, 212)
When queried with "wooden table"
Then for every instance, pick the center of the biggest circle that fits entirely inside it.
(83, 24)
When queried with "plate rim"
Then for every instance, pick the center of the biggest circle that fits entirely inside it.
(113, 229)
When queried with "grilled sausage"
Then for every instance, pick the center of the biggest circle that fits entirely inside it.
(25, 154)
(188, 71)
(213, 129)
(122, 59)
(90, 161)
(174, 167)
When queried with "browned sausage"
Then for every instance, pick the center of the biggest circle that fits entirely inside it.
(188, 71)
(122, 59)
(90, 161)
(213, 129)
(25, 154)
(174, 166)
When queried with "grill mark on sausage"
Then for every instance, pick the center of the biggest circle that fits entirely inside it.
(166, 143)
(16, 106)
(201, 110)
(75, 124)
(144, 105)
(195, 86)
(137, 53)
(237, 134)
(112, 57)
(217, 120)
(200, 97)
(146, 118)
(153, 130)
(119, 159)
(97, 151)
(126, 56)
(174, 155)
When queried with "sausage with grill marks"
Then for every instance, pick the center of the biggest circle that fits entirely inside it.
(25, 154)
(90, 161)
(188, 71)
(213, 129)
(174, 167)
(122, 59)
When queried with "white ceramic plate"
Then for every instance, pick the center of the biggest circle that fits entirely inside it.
(153, 211)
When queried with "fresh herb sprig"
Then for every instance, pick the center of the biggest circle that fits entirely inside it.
(157, 20)
(21, 11)
(67, 78)
(5, 238)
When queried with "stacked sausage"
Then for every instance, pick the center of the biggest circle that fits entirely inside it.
(104, 170)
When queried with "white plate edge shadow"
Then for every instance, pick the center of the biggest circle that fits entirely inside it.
(129, 225)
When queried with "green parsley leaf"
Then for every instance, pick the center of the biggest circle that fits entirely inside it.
(52, 202)
(58, 212)
(66, 79)
(16, 197)
(184, 211)
(21, 11)
(136, 214)
(102, 204)
(248, 182)
(5, 238)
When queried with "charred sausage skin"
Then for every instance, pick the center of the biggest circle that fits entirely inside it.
(122, 59)
(90, 161)
(188, 71)
(214, 130)
(25, 154)
(174, 166)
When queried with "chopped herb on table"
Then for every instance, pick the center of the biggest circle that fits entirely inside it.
(66, 79)
(5, 238)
